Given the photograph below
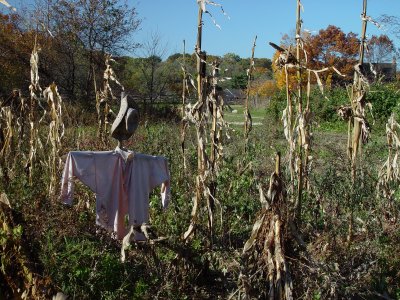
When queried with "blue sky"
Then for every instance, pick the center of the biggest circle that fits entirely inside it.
(176, 20)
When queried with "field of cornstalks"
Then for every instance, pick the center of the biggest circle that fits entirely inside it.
(295, 199)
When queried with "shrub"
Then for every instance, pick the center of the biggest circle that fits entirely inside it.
(384, 98)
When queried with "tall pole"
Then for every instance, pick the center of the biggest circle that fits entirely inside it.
(248, 121)
(358, 93)
(363, 31)
(201, 72)
(184, 80)
(183, 120)
(300, 113)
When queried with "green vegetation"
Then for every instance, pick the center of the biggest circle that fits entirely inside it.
(47, 247)
(83, 261)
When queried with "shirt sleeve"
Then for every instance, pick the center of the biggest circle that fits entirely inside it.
(159, 175)
(80, 165)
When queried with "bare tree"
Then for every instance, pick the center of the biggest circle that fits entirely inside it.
(380, 49)
(97, 27)
(392, 23)
(152, 69)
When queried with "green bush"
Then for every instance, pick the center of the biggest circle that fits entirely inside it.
(323, 106)
(276, 105)
(384, 99)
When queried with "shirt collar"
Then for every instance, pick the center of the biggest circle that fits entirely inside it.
(127, 155)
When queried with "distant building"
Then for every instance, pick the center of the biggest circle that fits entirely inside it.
(233, 96)
(381, 71)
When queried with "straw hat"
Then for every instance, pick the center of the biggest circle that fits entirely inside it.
(127, 120)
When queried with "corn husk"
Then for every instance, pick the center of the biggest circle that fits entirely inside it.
(55, 134)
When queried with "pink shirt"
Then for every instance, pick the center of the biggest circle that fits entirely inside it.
(122, 181)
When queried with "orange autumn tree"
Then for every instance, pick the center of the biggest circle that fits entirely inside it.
(263, 89)
(262, 86)
(329, 47)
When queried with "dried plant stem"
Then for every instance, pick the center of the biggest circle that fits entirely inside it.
(6, 140)
(247, 115)
(184, 123)
(35, 91)
(358, 94)
(207, 115)
(201, 136)
(389, 174)
(307, 133)
(56, 132)
(104, 97)
(298, 49)
(300, 113)
(289, 130)
(198, 117)
(267, 245)
(184, 86)
(215, 143)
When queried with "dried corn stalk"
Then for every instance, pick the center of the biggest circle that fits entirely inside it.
(296, 123)
(184, 88)
(296, 118)
(196, 115)
(358, 127)
(216, 102)
(247, 115)
(264, 262)
(302, 121)
(17, 103)
(207, 116)
(21, 110)
(389, 174)
(104, 97)
(203, 6)
(187, 81)
(56, 132)
(35, 94)
(6, 140)
(12, 132)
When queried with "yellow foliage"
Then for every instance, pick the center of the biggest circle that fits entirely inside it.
(280, 76)
(264, 89)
